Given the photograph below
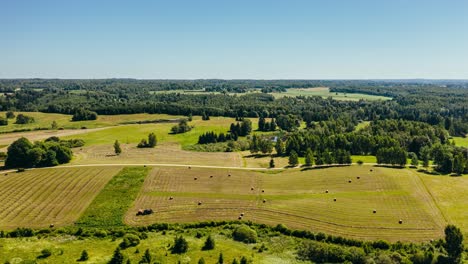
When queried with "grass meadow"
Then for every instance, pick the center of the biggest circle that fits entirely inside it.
(110, 205)
(325, 93)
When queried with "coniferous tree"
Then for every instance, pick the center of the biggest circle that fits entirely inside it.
(146, 258)
(209, 243)
(117, 258)
(220, 259)
(293, 159)
(309, 157)
(117, 148)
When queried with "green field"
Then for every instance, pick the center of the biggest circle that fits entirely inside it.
(325, 93)
(41, 197)
(297, 199)
(108, 208)
(461, 141)
(134, 133)
(67, 249)
(44, 120)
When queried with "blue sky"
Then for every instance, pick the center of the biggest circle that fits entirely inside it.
(190, 39)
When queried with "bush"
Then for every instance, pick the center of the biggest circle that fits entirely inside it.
(45, 253)
(182, 127)
(129, 240)
(10, 115)
(245, 234)
(24, 119)
(84, 256)
(3, 121)
(82, 114)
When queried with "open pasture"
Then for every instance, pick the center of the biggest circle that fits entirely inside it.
(325, 93)
(44, 120)
(41, 197)
(134, 133)
(297, 199)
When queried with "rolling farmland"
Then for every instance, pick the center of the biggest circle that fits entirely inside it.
(297, 199)
(56, 196)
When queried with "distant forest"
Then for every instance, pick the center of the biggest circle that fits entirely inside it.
(436, 102)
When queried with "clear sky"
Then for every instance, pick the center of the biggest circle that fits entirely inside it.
(239, 39)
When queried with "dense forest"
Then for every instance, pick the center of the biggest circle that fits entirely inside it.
(417, 122)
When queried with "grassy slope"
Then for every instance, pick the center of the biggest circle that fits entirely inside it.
(297, 199)
(325, 93)
(451, 195)
(108, 208)
(134, 133)
(461, 142)
(56, 196)
(280, 249)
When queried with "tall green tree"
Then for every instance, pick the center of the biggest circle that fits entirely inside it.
(309, 157)
(117, 148)
(152, 140)
(117, 258)
(293, 159)
(209, 243)
(453, 243)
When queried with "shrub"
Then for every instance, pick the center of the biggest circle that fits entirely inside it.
(129, 240)
(245, 234)
(3, 121)
(24, 119)
(10, 115)
(84, 256)
(45, 253)
(82, 114)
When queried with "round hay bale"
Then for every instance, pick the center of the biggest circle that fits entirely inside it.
(400, 222)
(349, 181)
(375, 211)
(358, 177)
(171, 198)
(144, 166)
(195, 178)
(264, 200)
(242, 214)
(263, 191)
(334, 199)
(189, 167)
(199, 203)
(240, 218)
(326, 191)
(51, 225)
(211, 176)
(229, 175)
(371, 170)
(251, 188)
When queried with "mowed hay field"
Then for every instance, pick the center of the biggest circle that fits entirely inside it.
(168, 153)
(297, 199)
(41, 197)
(451, 195)
(325, 93)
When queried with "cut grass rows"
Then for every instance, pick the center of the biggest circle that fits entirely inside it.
(297, 199)
(42, 197)
(109, 207)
